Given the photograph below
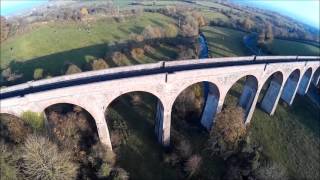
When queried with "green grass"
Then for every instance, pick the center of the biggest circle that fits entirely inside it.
(291, 137)
(225, 42)
(54, 38)
(140, 153)
(285, 47)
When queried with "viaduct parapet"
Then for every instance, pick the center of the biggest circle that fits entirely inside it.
(94, 91)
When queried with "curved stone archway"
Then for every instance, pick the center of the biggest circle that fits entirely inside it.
(201, 99)
(93, 110)
(69, 121)
(271, 91)
(305, 82)
(290, 87)
(242, 93)
(316, 77)
(130, 101)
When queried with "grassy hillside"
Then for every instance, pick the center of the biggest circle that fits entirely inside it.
(225, 42)
(55, 38)
(285, 47)
(291, 137)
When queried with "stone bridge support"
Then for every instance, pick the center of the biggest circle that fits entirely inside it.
(305, 82)
(163, 124)
(272, 95)
(290, 87)
(316, 77)
(248, 94)
(210, 106)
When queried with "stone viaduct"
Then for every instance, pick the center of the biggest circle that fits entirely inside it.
(94, 91)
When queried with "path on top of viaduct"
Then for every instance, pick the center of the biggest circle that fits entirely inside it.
(94, 91)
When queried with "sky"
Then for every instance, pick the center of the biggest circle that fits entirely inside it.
(10, 7)
(306, 11)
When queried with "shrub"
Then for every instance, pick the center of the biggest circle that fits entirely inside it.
(190, 28)
(8, 75)
(172, 159)
(119, 174)
(13, 129)
(43, 160)
(104, 170)
(228, 131)
(35, 120)
(73, 69)
(148, 49)
(101, 159)
(119, 59)
(136, 37)
(137, 53)
(184, 148)
(38, 73)
(193, 164)
(186, 53)
(8, 169)
(199, 18)
(99, 64)
(152, 32)
(271, 170)
(171, 31)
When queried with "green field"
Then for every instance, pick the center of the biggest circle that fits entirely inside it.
(290, 137)
(54, 38)
(285, 47)
(224, 42)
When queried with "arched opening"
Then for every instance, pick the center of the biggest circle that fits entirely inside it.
(289, 89)
(73, 128)
(270, 93)
(316, 77)
(242, 93)
(197, 104)
(135, 120)
(192, 115)
(305, 82)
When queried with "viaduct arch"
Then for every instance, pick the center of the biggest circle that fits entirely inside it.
(94, 91)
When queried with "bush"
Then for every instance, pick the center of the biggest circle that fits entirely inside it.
(172, 159)
(152, 32)
(73, 69)
(119, 174)
(35, 120)
(136, 37)
(8, 169)
(148, 49)
(190, 28)
(171, 31)
(100, 154)
(38, 73)
(271, 170)
(101, 159)
(186, 53)
(119, 59)
(13, 129)
(43, 160)
(229, 129)
(104, 170)
(184, 148)
(137, 53)
(193, 164)
(99, 64)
